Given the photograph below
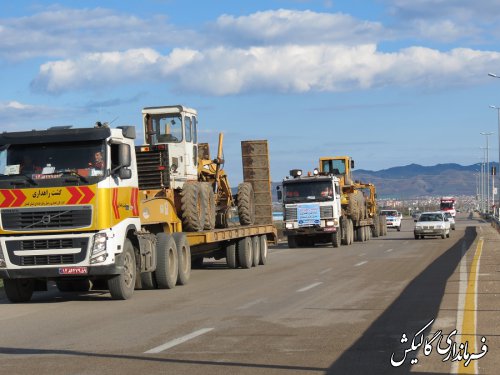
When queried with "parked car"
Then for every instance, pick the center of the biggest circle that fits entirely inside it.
(432, 224)
(451, 219)
(393, 218)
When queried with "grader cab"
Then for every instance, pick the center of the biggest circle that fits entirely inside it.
(178, 167)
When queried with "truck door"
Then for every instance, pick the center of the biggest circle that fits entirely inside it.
(191, 147)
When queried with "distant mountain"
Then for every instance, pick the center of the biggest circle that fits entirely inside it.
(416, 180)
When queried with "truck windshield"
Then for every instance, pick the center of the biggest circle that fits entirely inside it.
(163, 128)
(46, 164)
(307, 191)
(447, 205)
(335, 167)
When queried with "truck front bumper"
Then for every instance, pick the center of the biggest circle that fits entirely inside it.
(54, 272)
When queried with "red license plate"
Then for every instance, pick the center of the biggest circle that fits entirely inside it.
(73, 270)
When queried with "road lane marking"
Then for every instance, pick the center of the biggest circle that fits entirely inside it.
(467, 308)
(250, 304)
(178, 341)
(389, 250)
(325, 271)
(309, 287)
(360, 263)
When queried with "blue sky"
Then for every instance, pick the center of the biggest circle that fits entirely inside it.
(389, 82)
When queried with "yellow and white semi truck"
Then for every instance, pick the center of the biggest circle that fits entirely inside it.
(135, 220)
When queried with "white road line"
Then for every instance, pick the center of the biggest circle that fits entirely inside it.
(360, 263)
(309, 287)
(325, 271)
(178, 341)
(250, 304)
(389, 250)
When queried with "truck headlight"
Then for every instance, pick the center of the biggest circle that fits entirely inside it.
(99, 248)
(289, 225)
(330, 223)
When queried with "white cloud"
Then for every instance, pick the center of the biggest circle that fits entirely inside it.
(62, 32)
(285, 26)
(285, 69)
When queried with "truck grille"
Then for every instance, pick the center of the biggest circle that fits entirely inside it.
(325, 212)
(52, 246)
(153, 169)
(29, 219)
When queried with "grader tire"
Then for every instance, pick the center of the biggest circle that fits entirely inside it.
(193, 207)
(209, 202)
(246, 203)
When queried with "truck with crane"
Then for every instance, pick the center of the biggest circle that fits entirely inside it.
(140, 218)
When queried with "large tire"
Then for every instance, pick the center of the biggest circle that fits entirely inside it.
(337, 238)
(255, 251)
(360, 234)
(231, 255)
(19, 290)
(263, 249)
(183, 258)
(376, 227)
(244, 250)
(246, 203)
(167, 268)
(193, 207)
(292, 242)
(148, 280)
(122, 286)
(350, 226)
(344, 230)
(209, 202)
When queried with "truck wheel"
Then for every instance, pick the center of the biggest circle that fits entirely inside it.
(209, 201)
(148, 280)
(376, 226)
(82, 285)
(368, 233)
(255, 251)
(64, 286)
(167, 267)
(350, 227)
(245, 252)
(360, 234)
(193, 207)
(292, 242)
(183, 257)
(19, 290)
(122, 286)
(246, 203)
(263, 249)
(231, 255)
(337, 238)
(344, 230)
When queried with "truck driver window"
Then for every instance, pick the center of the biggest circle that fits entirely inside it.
(168, 128)
(188, 130)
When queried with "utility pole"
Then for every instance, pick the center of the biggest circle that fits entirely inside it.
(488, 205)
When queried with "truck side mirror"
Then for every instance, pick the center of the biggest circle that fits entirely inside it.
(124, 157)
(352, 164)
(280, 195)
(125, 174)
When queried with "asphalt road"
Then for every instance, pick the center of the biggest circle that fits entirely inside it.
(308, 311)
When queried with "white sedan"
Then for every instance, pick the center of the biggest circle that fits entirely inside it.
(451, 219)
(432, 224)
